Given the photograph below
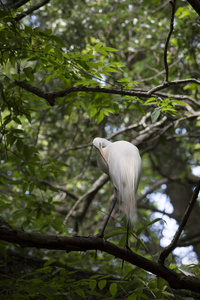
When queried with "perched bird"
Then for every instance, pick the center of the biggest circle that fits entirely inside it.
(122, 162)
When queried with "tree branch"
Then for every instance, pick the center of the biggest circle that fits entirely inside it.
(89, 194)
(153, 187)
(170, 83)
(196, 5)
(80, 243)
(173, 2)
(18, 4)
(31, 9)
(58, 188)
(50, 96)
(164, 254)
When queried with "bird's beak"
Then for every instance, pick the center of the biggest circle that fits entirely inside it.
(103, 155)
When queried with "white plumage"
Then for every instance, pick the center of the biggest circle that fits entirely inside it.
(121, 160)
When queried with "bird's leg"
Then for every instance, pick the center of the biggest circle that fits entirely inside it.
(101, 234)
(126, 246)
(127, 233)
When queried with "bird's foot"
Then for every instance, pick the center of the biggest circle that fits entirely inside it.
(126, 247)
(100, 235)
(95, 256)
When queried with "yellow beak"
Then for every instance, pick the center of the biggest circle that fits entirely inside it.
(103, 155)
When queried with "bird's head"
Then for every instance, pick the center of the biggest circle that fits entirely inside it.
(100, 143)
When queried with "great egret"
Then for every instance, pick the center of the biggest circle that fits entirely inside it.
(122, 162)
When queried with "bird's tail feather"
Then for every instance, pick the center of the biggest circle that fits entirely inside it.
(128, 194)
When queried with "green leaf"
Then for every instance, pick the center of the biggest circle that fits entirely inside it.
(48, 78)
(109, 69)
(179, 102)
(29, 73)
(139, 108)
(49, 262)
(155, 114)
(110, 49)
(92, 284)
(57, 40)
(100, 116)
(133, 296)
(58, 53)
(116, 107)
(102, 283)
(150, 101)
(81, 294)
(48, 48)
(113, 289)
(17, 120)
(140, 230)
(19, 145)
(99, 45)
(92, 112)
(26, 151)
(45, 270)
(69, 109)
(102, 51)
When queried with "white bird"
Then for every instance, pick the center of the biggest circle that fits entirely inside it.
(122, 162)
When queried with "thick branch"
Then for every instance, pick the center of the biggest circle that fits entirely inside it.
(50, 96)
(79, 243)
(196, 5)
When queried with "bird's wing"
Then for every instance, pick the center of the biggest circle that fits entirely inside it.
(125, 168)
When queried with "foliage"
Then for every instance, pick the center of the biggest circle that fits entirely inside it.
(113, 52)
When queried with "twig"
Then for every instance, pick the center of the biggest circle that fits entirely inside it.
(92, 191)
(168, 38)
(58, 188)
(184, 220)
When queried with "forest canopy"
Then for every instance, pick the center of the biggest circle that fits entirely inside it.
(72, 71)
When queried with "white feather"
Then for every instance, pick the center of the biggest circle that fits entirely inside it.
(123, 163)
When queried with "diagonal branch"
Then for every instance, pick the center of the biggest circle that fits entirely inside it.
(196, 5)
(31, 10)
(80, 243)
(88, 195)
(164, 254)
(166, 84)
(18, 4)
(58, 188)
